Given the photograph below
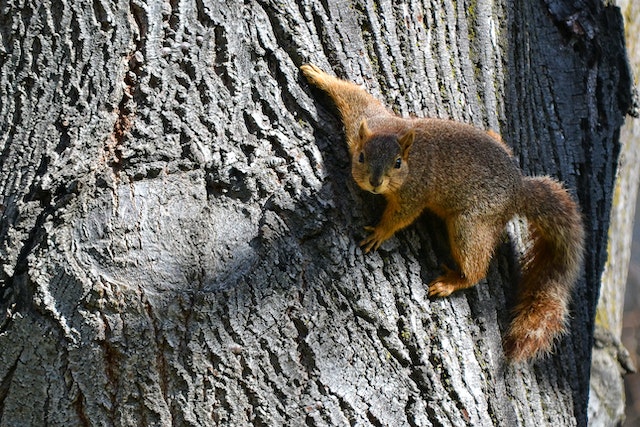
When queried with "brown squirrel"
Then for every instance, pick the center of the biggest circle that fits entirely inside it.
(467, 177)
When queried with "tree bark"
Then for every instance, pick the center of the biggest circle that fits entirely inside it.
(610, 358)
(179, 230)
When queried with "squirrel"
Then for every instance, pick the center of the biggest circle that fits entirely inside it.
(467, 177)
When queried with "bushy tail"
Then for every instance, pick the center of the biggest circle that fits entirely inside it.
(550, 268)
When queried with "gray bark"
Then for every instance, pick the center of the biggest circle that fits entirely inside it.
(610, 358)
(179, 229)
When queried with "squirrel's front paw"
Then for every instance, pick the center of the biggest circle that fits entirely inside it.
(373, 240)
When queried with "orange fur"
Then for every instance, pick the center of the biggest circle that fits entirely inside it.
(467, 177)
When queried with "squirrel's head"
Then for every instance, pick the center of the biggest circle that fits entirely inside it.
(379, 162)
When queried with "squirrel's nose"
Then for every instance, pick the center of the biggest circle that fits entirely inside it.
(375, 182)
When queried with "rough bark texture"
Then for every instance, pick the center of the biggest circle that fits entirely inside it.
(179, 228)
(610, 358)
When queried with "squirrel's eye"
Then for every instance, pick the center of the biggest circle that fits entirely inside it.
(361, 158)
(398, 162)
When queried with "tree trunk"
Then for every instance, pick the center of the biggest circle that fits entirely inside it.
(610, 358)
(179, 235)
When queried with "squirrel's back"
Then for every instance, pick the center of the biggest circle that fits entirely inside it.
(454, 166)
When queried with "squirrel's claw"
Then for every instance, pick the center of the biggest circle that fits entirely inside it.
(448, 283)
(369, 243)
(438, 288)
(373, 240)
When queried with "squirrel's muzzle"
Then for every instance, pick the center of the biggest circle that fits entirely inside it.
(376, 176)
(375, 181)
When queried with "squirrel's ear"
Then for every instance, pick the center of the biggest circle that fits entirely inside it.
(406, 141)
(364, 132)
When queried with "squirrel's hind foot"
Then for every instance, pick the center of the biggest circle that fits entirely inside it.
(448, 283)
(314, 75)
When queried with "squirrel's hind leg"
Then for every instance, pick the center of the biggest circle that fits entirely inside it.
(317, 77)
(472, 244)
(346, 95)
(353, 102)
